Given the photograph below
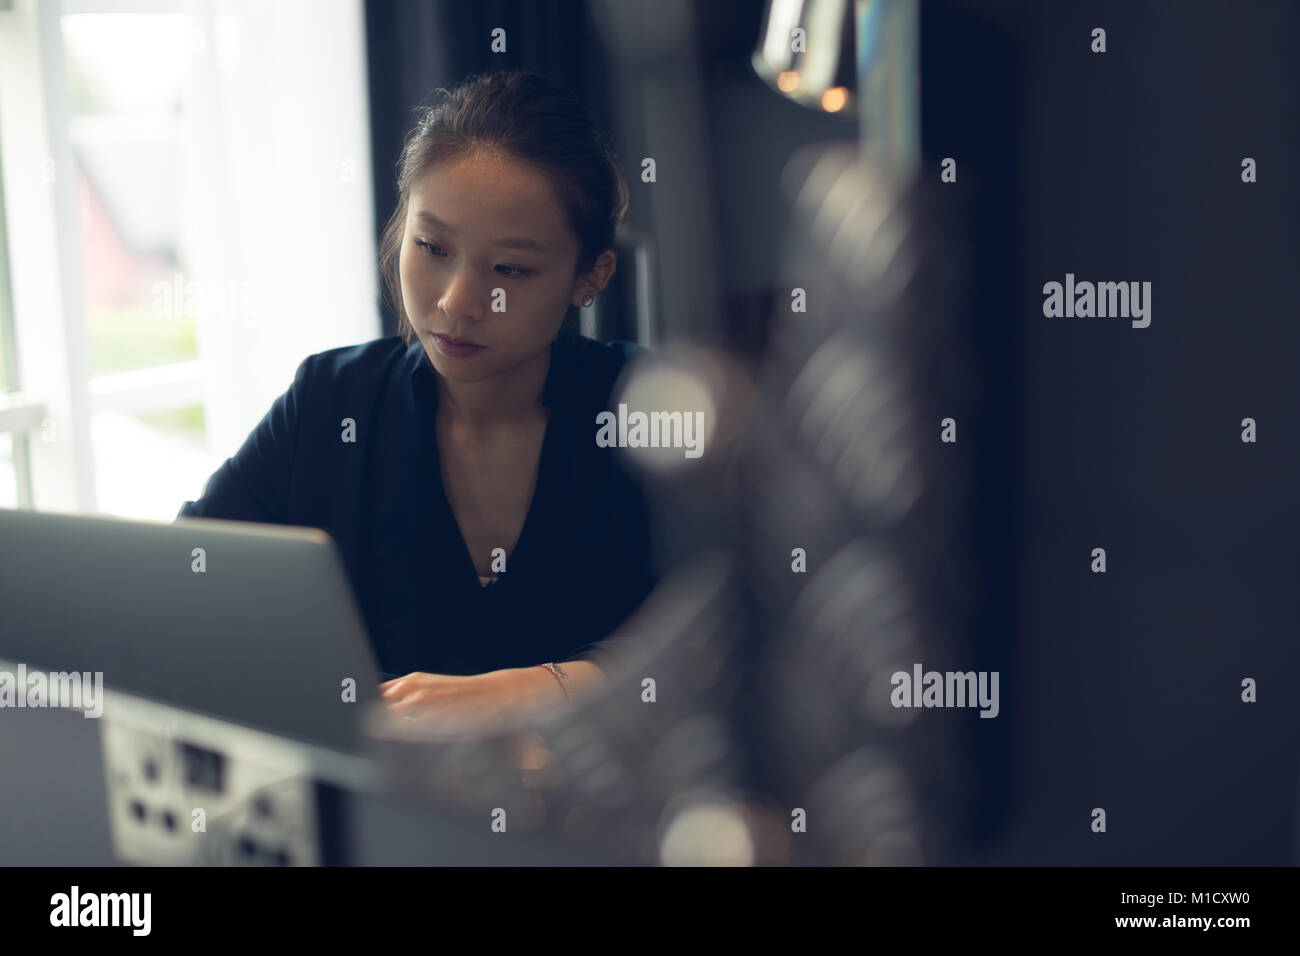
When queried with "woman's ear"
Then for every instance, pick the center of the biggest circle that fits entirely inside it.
(594, 281)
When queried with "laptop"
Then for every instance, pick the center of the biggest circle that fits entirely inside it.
(251, 623)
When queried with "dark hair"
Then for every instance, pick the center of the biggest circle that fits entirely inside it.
(524, 115)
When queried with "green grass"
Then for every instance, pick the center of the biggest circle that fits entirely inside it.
(188, 418)
(128, 338)
(122, 339)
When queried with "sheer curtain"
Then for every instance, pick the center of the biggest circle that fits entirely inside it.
(278, 219)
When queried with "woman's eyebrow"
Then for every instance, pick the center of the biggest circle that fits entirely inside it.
(519, 242)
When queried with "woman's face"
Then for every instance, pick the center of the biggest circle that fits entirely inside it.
(476, 225)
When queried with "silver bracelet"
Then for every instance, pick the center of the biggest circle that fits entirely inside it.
(562, 677)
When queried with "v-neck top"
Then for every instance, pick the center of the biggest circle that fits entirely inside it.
(583, 559)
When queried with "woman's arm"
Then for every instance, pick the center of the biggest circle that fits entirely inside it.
(508, 697)
(539, 691)
(253, 484)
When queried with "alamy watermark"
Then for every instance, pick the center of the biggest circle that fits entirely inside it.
(75, 908)
(946, 689)
(224, 300)
(75, 690)
(1126, 300)
(651, 430)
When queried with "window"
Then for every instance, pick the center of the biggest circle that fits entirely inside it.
(192, 187)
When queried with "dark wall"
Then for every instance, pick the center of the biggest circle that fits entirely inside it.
(1126, 166)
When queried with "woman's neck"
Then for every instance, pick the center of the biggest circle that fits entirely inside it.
(508, 398)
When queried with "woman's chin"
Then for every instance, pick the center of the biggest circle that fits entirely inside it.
(458, 370)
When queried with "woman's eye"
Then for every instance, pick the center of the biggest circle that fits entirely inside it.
(512, 272)
(428, 247)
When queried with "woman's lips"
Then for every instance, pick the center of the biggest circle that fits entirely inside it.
(455, 348)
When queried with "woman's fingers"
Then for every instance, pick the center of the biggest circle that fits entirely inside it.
(400, 686)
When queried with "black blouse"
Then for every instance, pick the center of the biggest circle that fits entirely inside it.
(581, 565)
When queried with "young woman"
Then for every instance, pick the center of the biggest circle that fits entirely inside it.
(492, 544)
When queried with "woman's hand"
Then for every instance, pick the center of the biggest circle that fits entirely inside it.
(482, 703)
(478, 702)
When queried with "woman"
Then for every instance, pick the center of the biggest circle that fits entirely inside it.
(491, 543)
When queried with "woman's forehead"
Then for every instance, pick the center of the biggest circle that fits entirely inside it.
(487, 195)
(493, 182)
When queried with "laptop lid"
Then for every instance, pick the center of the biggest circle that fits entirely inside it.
(252, 623)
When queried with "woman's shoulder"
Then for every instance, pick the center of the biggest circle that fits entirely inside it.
(359, 370)
(362, 361)
(594, 368)
(593, 353)
(589, 369)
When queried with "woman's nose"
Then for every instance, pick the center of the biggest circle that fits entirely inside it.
(463, 299)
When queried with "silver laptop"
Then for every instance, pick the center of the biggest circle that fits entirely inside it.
(251, 623)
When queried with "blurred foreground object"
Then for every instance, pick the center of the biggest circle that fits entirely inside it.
(850, 468)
